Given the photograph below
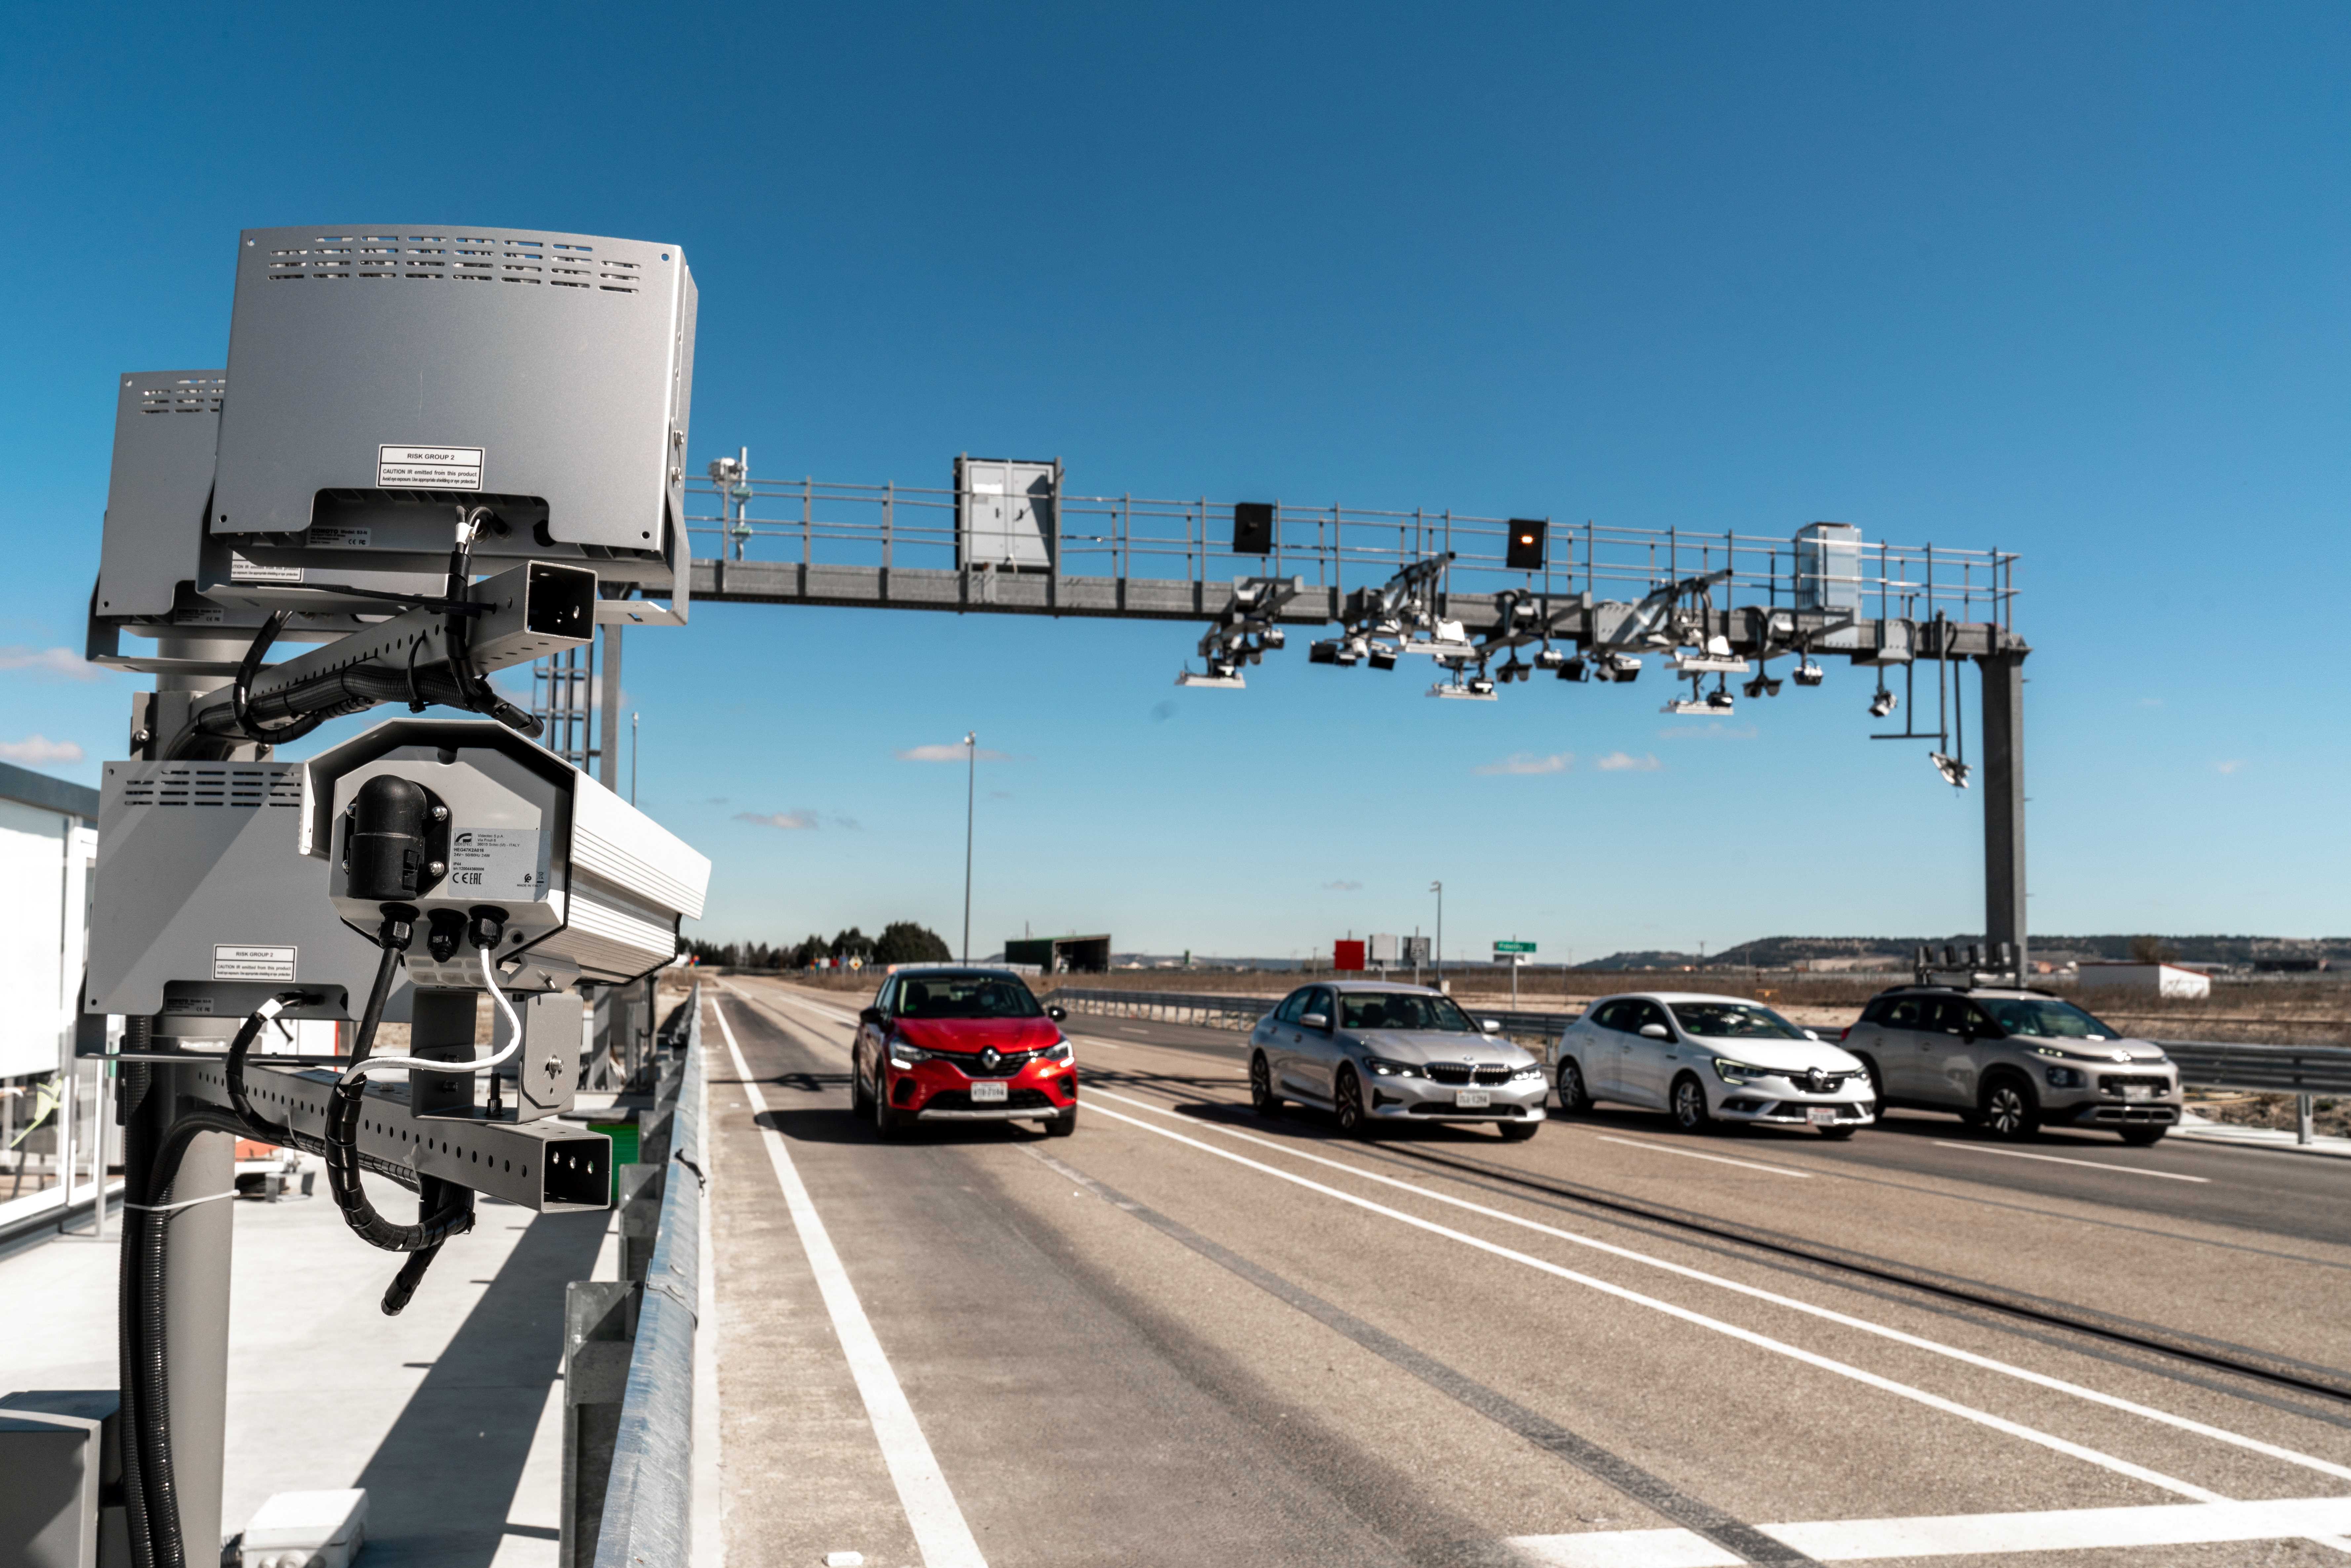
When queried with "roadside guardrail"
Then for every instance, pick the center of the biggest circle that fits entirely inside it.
(2205, 1064)
(628, 1449)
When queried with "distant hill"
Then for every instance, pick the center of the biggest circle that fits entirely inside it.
(1784, 951)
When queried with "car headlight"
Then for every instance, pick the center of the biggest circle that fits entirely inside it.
(1057, 1051)
(1382, 1067)
(1530, 1071)
(905, 1055)
(1732, 1072)
(2058, 1051)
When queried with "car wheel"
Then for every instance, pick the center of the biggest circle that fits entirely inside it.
(1519, 1132)
(1691, 1113)
(1262, 1098)
(2010, 1109)
(1063, 1125)
(2140, 1137)
(886, 1120)
(860, 1103)
(1573, 1098)
(1353, 1120)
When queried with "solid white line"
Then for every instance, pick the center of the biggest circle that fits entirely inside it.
(1694, 1154)
(1917, 1342)
(2062, 1160)
(1949, 1535)
(1762, 1341)
(709, 1508)
(940, 1532)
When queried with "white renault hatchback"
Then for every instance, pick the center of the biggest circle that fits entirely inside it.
(1706, 1060)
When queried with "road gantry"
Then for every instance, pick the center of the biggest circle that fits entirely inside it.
(1190, 1334)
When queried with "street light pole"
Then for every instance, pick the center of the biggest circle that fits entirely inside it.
(970, 796)
(1438, 888)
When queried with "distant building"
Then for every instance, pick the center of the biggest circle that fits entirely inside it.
(1061, 954)
(48, 846)
(2160, 979)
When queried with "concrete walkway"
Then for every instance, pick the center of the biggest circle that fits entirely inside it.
(451, 1414)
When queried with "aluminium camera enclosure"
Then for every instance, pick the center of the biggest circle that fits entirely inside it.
(385, 376)
(591, 888)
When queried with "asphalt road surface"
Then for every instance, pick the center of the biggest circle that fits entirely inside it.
(1189, 1335)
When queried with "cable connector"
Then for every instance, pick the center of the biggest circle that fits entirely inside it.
(485, 926)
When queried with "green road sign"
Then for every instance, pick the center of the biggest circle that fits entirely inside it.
(1514, 947)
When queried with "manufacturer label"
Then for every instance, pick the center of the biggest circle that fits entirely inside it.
(324, 536)
(428, 467)
(234, 963)
(498, 862)
(243, 571)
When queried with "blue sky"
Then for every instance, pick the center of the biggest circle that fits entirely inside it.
(2069, 281)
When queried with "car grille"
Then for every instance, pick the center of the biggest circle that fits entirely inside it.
(1830, 1081)
(2115, 1083)
(1014, 1100)
(1438, 1108)
(968, 1062)
(1461, 1072)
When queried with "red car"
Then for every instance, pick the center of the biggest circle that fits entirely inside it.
(956, 1044)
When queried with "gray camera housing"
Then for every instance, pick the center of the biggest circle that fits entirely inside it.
(383, 376)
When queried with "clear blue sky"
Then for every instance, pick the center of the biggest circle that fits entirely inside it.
(2065, 279)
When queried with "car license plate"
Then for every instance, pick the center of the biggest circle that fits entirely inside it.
(990, 1093)
(1472, 1099)
(1821, 1115)
(2139, 1092)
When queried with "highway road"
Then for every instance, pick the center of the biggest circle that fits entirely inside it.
(1188, 1334)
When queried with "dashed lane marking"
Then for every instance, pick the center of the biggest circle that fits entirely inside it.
(1953, 1535)
(1694, 1154)
(1756, 1292)
(940, 1531)
(2062, 1160)
(1706, 1524)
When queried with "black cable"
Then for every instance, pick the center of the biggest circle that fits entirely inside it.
(343, 1110)
(257, 1127)
(131, 1087)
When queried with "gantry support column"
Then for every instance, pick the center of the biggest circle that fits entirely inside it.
(2003, 784)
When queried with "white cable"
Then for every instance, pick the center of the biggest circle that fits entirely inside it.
(183, 1203)
(479, 1064)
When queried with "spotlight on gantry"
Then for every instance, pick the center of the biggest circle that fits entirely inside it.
(1953, 772)
(1883, 703)
(1808, 673)
(1762, 685)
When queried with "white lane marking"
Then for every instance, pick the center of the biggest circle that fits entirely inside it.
(1827, 1314)
(940, 1532)
(1624, 1549)
(1694, 1154)
(800, 1001)
(2121, 1467)
(1129, 1029)
(747, 999)
(2062, 1160)
(1949, 1535)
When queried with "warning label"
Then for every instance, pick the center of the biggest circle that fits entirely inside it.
(243, 571)
(231, 963)
(428, 467)
(500, 863)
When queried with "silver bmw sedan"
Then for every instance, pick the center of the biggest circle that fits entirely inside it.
(1371, 1051)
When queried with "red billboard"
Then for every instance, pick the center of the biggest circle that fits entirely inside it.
(1346, 954)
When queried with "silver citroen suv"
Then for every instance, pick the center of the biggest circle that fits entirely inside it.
(2011, 1060)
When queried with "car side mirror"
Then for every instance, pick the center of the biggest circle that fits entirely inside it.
(1656, 1032)
(1057, 1013)
(1491, 1026)
(1314, 1021)
(869, 1015)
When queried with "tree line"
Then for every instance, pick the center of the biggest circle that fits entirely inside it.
(901, 942)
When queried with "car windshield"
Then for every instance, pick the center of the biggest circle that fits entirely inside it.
(2040, 1019)
(1733, 1020)
(1401, 1009)
(966, 996)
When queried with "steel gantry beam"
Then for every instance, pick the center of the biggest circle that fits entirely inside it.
(1008, 539)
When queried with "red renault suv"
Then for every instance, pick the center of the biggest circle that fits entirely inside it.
(949, 1043)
